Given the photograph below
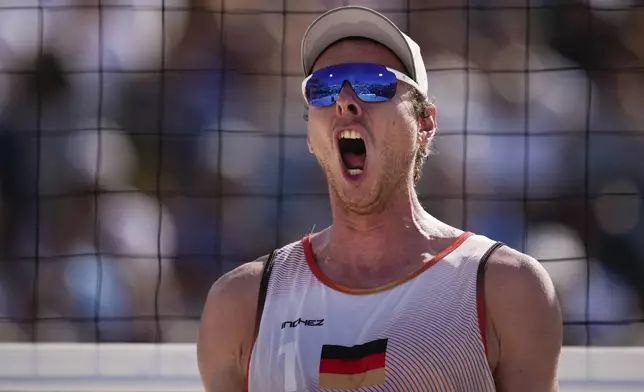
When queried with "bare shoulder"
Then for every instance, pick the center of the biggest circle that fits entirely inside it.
(519, 288)
(228, 326)
(238, 288)
(526, 318)
(510, 271)
(236, 284)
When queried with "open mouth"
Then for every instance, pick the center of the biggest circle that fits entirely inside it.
(353, 152)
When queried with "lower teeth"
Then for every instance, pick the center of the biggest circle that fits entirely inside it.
(354, 172)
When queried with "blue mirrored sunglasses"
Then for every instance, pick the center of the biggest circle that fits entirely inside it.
(370, 82)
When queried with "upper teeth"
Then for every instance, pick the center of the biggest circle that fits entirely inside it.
(350, 135)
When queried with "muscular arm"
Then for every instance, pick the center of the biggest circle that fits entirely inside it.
(526, 319)
(227, 329)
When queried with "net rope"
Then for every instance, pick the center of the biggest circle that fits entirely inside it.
(199, 140)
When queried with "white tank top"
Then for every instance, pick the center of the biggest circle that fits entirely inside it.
(422, 333)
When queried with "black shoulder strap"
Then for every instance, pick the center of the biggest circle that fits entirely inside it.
(480, 273)
(480, 276)
(263, 288)
(480, 291)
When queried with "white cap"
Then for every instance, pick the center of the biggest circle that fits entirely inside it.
(355, 21)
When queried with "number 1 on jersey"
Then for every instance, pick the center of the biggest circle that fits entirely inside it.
(290, 356)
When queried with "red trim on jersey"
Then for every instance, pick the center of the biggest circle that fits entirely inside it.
(480, 312)
(310, 260)
(356, 366)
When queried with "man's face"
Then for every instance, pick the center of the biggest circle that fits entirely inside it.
(388, 129)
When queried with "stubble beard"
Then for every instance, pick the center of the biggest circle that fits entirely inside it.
(392, 179)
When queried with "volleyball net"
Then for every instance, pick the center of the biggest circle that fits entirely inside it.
(149, 146)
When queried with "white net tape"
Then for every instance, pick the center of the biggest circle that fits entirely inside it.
(173, 367)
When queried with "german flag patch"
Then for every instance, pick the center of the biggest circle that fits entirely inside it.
(353, 367)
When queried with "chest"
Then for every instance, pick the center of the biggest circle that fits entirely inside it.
(313, 355)
(401, 340)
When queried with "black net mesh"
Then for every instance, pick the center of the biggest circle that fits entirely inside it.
(149, 146)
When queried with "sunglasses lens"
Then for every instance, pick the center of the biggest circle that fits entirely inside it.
(370, 82)
(373, 83)
(324, 86)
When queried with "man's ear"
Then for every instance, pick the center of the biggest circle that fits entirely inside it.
(428, 125)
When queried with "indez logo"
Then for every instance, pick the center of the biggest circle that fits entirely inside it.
(299, 321)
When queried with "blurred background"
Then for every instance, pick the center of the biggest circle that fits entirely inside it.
(149, 146)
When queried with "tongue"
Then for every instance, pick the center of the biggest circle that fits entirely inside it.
(354, 161)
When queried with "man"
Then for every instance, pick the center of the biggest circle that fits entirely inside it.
(387, 298)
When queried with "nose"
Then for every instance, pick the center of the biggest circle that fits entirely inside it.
(347, 103)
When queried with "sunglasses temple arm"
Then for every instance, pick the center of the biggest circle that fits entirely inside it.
(404, 78)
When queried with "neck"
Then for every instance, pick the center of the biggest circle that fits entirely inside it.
(400, 231)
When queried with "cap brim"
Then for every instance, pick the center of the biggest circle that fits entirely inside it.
(354, 21)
